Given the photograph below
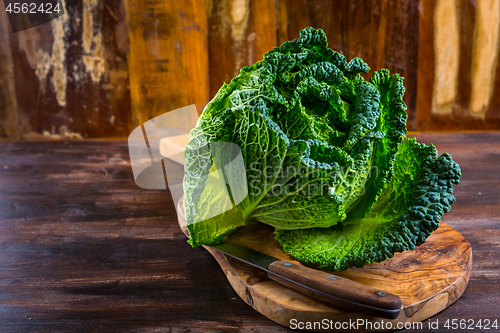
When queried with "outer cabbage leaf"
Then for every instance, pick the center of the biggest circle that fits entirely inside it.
(406, 212)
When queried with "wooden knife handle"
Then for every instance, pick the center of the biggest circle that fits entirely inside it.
(334, 290)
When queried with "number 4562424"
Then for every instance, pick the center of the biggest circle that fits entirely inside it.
(31, 8)
(471, 324)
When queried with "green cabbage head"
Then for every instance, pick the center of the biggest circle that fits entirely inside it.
(302, 142)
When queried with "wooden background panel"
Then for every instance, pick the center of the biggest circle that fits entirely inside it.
(8, 104)
(71, 75)
(458, 77)
(108, 66)
(239, 33)
(168, 56)
(383, 33)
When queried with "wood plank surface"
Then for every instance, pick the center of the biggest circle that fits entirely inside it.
(82, 248)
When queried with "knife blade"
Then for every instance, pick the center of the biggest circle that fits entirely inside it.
(323, 286)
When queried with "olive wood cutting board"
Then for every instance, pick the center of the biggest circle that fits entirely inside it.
(428, 279)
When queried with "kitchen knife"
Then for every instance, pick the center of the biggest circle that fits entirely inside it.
(325, 287)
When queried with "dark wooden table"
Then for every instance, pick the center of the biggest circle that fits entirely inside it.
(82, 248)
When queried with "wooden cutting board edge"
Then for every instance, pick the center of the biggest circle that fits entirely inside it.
(281, 304)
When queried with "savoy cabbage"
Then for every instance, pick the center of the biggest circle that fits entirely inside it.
(325, 160)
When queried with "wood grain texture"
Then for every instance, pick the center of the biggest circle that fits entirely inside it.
(84, 249)
(9, 120)
(485, 55)
(71, 75)
(450, 106)
(383, 33)
(239, 33)
(77, 76)
(428, 279)
(168, 56)
(446, 56)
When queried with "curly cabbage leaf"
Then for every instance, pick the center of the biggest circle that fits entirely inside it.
(323, 159)
(407, 211)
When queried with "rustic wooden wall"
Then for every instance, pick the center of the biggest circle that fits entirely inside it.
(68, 77)
(168, 57)
(458, 76)
(108, 66)
(383, 33)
